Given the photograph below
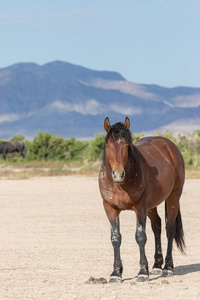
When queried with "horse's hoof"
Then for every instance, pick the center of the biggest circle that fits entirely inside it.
(142, 278)
(156, 271)
(115, 279)
(168, 273)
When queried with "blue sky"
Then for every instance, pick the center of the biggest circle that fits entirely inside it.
(147, 41)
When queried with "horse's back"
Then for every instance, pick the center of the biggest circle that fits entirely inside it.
(12, 146)
(163, 154)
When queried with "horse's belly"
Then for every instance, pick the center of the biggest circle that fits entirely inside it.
(152, 203)
(159, 193)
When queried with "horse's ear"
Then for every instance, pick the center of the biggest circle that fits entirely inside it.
(106, 124)
(127, 123)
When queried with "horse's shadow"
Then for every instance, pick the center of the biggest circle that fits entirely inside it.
(179, 271)
(183, 270)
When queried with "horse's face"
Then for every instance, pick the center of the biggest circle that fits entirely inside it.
(116, 150)
(116, 155)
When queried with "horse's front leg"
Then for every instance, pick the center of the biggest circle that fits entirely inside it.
(141, 239)
(113, 216)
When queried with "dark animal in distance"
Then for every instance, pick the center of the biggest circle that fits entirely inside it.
(14, 146)
(139, 177)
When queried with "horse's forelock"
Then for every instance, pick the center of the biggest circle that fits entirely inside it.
(118, 131)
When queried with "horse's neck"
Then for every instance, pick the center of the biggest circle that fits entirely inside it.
(135, 163)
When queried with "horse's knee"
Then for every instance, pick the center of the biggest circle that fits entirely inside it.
(116, 237)
(141, 236)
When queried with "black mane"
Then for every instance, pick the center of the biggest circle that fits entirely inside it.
(119, 131)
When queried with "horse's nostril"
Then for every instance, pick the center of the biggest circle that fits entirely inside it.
(122, 174)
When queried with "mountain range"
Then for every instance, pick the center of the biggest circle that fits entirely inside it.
(72, 101)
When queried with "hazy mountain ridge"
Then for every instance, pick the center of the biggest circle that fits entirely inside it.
(70, 100)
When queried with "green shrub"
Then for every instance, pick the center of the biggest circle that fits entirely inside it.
(96, 148)
(75, 150)
(47, 146)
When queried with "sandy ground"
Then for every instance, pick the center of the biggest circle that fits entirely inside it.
(54, 235)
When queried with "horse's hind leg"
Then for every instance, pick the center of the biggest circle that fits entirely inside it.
(113, 216)
(156, 227)
(173, 228)
(22, 154)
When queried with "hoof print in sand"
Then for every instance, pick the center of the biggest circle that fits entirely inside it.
(93, 280)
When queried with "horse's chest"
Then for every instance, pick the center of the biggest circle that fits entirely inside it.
(117, 197)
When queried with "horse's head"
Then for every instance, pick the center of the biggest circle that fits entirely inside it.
(117, 144)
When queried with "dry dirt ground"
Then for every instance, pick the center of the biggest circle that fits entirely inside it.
(54, 235)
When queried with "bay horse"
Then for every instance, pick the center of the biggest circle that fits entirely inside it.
(14, 146)
(139, 177)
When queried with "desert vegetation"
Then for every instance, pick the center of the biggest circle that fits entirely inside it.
(53, 155)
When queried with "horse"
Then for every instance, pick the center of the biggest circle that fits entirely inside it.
(14, 146)
(139, 177)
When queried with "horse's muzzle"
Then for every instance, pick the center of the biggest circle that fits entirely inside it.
(118, 177)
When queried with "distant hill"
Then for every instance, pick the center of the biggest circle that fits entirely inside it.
(70, 100)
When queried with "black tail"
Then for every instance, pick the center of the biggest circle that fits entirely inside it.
(23, 150)
(179, 234)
